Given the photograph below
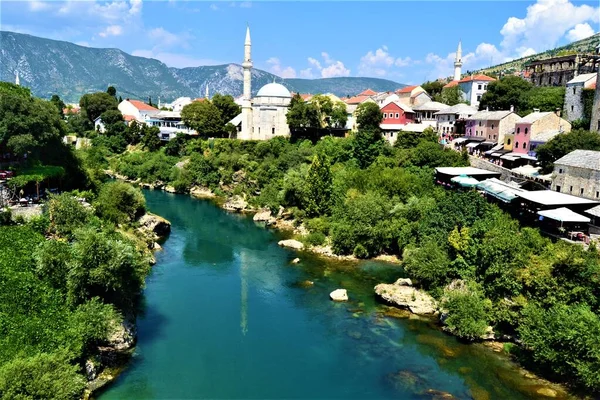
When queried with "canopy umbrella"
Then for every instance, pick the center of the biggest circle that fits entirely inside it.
(465, 181)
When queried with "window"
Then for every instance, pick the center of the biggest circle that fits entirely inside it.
(572, 108)
(516, 145)
(478, 87)
(392, 134)
(597, 194)
(526, 129)
(494, 137)
(478, 97)
(573, 90)
(384, 115)
(524, 145)
(571, 189)
(560, 170)
(581, 192)
(397, 115)
(479, 123)
(508, 142)
(492, 126)
(259, 130)
(558, 188)
(518, 130)
(273, 130)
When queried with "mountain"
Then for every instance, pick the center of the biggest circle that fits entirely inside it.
(587, 45)
(50, 67)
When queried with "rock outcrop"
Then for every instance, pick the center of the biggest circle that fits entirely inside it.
(339, 295)
(154, 226)
(292, 244)
(170, 189)
(402, 294)
(235, 203)
(265, 216)
(201, 193)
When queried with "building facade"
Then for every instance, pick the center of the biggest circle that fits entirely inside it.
(138, 109)
(473, 88)
(451, 121)
(491, 126)
(574, 105)
(578, 174)
(557, 71)
(536, 129)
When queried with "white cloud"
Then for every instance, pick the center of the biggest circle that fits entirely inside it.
(112, 30)
(163, 38)
(545, 23)
(580, 31)
(36, 5)
(214, 7)
(328, 68)
(276, 68)
(306, 73)
(380, 62)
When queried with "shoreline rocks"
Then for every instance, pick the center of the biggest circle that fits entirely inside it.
(402, 294)
(154, 226)
(235, 203)
(292, 244)
(265, 216)
(339, 295)
(202, 193)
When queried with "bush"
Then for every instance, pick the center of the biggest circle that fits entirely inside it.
(320, 224)
(467, 313)
(5, 216)
(314, 239)
(120, 202)
(360, 251)
(40, 224)
(66, 214)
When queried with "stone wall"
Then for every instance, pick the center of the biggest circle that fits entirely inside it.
(572, 180)
(574, 103)
(483, 164)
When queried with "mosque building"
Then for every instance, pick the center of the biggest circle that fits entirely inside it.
(263, 117)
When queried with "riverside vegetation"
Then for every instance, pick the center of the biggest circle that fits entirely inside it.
(365, 198)
(72, 276)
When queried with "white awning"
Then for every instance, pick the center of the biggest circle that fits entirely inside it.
(509, 158)
(563, 214)
(474, 144)
(459, 140)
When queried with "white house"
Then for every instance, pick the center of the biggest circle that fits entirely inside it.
(473, 87)
(138, 109)
(178, 104)
(447, 118)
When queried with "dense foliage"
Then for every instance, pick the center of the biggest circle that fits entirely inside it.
(561, 145)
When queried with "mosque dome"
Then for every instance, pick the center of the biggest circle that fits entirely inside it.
(274, 90)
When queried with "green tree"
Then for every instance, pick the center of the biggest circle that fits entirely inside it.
(339, 115)
(204, 117)
(66, 214)
(112, 91)
(94, 104)
(120, 202)
(433, 88)
(324, 107)
(149, 137)
(467, 313)
(366, 146)
(319, 185)
(227, 107)
(452, 95)
(506, 92)
(59, 104)
(545, 99)
(368, 116)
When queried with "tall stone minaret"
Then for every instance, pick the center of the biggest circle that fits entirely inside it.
(17, 81)
(246, 132)
(458, 62)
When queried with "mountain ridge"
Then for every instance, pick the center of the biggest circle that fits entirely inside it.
(70, 70)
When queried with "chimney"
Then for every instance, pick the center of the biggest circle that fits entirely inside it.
(557, 112)
(512, 108)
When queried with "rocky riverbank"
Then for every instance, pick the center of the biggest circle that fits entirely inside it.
(112, 357)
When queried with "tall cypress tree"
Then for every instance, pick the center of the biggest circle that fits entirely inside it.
(320, 186)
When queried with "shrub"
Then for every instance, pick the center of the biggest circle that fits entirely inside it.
(467, 313)
(120, 202)
(5, 216)
(314, 239)
(66, 214)
(360, 251)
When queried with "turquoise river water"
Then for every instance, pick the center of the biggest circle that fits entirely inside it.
(226, 315)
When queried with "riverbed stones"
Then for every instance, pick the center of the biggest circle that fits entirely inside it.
(339, 295)
(401, 294)
(292, 244)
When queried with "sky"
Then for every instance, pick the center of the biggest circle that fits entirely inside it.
(407, 42)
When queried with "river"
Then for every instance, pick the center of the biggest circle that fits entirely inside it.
(226, 315)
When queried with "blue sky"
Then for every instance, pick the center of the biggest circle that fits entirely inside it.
(408, 42)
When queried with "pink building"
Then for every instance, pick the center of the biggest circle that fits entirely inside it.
(537, 128)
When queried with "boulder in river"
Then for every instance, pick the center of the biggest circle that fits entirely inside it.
(154, 224)
(402, 295)
(295, 260)
(201, 192)
(170, 189)
(339, 295)
(292, 244)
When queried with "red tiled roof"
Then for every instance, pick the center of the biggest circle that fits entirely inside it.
(73, 110)
(200, 99)
(367, 92)
(128, 118)
(450, 84)
(406, 89)
(140, 105)
(356, 99)
(306, 96)
(478, 77)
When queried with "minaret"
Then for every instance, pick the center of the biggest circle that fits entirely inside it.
(17, 81)
(246, 132)
(458, 62)
(206, 94)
